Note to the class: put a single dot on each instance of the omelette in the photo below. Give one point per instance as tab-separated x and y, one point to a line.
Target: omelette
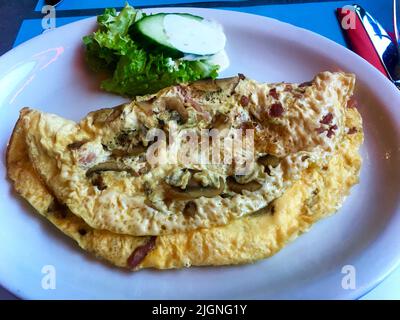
109	171
91	179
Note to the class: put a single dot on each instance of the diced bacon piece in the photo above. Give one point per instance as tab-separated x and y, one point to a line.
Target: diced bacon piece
327	119
276	110
244	101
273	93
141	252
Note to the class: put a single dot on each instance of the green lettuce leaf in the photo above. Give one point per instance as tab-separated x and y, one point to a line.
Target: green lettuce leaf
136	70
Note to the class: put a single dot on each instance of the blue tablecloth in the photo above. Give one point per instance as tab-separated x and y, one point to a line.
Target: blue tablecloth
21	20
318	16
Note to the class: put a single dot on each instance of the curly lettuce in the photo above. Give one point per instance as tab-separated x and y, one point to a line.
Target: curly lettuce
133	68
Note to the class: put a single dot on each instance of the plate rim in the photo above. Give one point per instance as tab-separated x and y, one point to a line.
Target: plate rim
356	294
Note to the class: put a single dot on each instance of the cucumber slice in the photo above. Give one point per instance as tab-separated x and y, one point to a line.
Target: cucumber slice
152	27
182	33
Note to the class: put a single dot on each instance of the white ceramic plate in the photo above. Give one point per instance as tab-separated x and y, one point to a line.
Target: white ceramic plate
48	73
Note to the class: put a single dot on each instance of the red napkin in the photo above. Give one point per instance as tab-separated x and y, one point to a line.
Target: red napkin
359	40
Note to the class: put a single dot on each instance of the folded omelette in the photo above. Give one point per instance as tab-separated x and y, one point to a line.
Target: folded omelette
94	179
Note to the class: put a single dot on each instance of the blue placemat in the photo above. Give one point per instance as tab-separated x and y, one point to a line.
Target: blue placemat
90	4
317	16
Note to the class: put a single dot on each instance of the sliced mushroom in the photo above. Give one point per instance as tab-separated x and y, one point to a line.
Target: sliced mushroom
98	181
76	145
128	145
193	183
194	191
176	104
269	160
190	209
108	166
238	187
228	84
144	169
107	115
268	209
209	85
146	106
130	151
220	121
150	204
226	195
115	114
125	138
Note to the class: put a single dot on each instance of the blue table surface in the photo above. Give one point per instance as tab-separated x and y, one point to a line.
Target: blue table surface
317	16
